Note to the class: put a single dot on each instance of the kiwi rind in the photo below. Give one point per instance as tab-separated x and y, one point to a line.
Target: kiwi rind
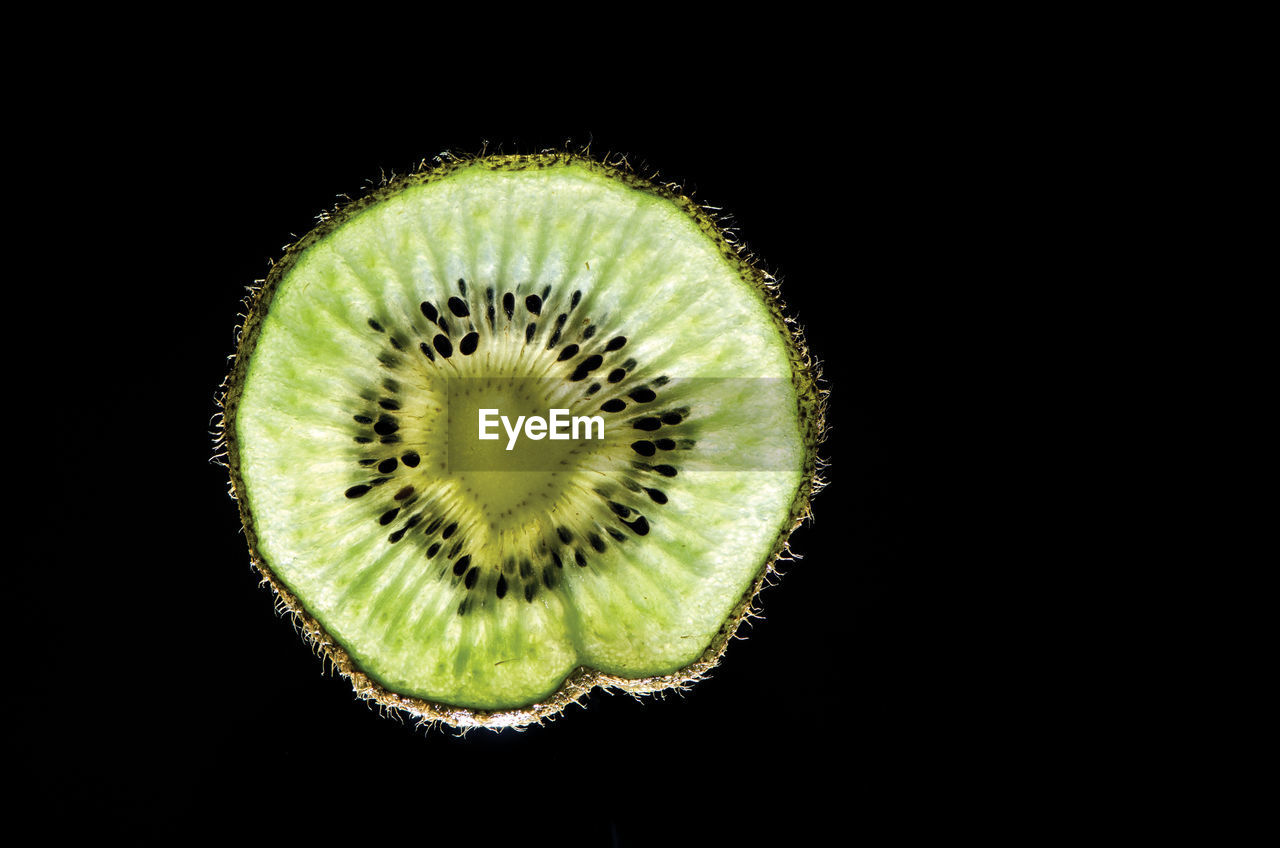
806	378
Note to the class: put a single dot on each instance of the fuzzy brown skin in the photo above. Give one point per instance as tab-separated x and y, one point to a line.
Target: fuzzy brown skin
805	376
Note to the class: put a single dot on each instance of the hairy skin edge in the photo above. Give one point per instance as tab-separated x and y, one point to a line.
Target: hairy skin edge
806	377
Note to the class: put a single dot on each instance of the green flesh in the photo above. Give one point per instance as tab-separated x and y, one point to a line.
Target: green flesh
337	383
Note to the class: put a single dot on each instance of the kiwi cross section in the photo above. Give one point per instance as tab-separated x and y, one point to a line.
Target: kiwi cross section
460	581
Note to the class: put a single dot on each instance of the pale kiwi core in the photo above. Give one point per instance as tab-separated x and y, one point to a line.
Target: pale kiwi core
453	570
502	488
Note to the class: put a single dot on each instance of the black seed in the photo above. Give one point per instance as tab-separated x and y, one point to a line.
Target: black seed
564	534
529	590
449	531
404	493
363	440
378	481
386	425
375	325
368	461
666	444
546	292
616	343
501	588
555	557
397	536
579	559
595	387
631	363
619	510
672	418
642	395
472	576
462	608
434	526
468	344
656	496
616	375
443	346
389	516
646	424
640	526
526	568
357	491
423	347
614	405
665	470
429	311
396	343
391	385
458	568
509	304
388	403
643	448
390	440
589	332
413	521
569	352
433	550
411	459
488	295
462	285
529	331
548	578
596	542
616	534
533	303
387	465
585	367
575	300
456	549
458	307
389	360
555	336
362	419
443	324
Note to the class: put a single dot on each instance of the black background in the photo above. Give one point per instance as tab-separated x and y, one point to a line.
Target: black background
205	712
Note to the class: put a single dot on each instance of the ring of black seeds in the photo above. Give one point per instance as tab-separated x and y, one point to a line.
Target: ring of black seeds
378	424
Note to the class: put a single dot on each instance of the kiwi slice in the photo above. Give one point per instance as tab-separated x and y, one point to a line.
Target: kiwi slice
494	581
